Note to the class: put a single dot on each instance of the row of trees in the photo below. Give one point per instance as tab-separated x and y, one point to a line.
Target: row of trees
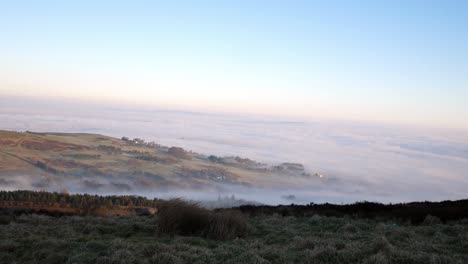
77	200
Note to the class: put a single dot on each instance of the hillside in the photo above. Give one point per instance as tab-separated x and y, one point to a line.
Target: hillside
96	163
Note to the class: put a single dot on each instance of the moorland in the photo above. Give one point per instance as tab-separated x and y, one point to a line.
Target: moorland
183	232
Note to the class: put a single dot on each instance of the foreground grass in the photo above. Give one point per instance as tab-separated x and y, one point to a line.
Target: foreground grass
271	239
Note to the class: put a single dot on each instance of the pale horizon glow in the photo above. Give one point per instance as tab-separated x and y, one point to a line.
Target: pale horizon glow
397	62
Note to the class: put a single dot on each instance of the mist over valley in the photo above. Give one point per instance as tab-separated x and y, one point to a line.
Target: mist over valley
341	162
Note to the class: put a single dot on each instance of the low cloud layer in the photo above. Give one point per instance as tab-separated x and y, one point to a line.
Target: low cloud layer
367	161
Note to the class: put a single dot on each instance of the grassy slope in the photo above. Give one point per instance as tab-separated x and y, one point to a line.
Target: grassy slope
272	239
19	152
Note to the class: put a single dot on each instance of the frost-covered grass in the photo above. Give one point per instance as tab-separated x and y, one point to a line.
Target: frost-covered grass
271	239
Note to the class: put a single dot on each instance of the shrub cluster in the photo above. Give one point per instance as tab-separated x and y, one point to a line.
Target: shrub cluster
180	217
179	153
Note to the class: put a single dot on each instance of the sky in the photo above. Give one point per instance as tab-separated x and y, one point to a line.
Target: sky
389	61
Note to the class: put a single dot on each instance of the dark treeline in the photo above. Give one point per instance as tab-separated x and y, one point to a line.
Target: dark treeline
76	200
416	212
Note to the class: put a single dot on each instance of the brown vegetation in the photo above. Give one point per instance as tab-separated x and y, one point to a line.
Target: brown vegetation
156	158
68	209
180	217
179	153
7	142
187	218
66	163
110	150
49	145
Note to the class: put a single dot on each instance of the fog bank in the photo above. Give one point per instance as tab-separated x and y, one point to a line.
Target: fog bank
367	161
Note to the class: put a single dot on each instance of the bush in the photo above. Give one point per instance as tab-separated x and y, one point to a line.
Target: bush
184	218
179	153
228	225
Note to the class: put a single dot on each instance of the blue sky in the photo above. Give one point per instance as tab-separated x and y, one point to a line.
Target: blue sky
397	61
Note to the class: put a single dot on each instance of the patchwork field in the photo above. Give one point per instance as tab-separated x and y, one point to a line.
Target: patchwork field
97	163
